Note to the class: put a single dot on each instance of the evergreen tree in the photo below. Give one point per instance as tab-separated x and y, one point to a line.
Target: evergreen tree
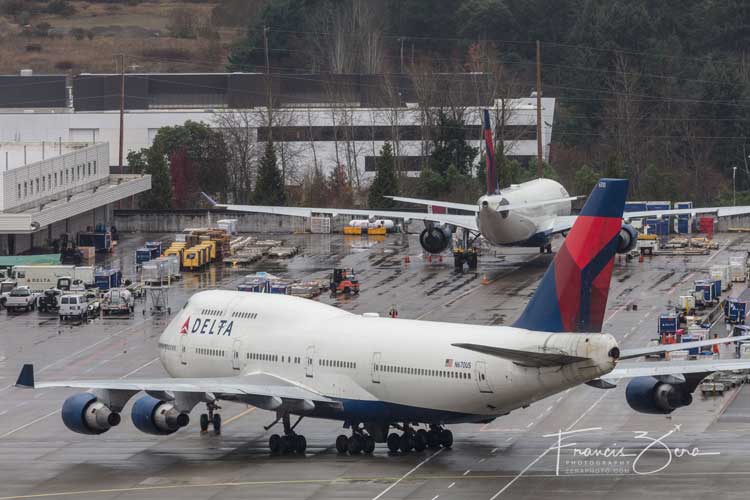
385	182
152	162
269	187
585	180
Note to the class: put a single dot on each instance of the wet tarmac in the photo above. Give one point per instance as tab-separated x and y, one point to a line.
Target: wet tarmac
605	449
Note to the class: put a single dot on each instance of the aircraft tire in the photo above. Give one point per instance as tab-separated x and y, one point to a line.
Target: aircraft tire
355	445
368	445
394	442
342	443
300	444
433	439
204	422
274	443
446	438
217	424
419	441
407	443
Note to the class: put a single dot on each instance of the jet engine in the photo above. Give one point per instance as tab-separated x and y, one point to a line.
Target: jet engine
435	239
650	395
153	416
84	414
628	239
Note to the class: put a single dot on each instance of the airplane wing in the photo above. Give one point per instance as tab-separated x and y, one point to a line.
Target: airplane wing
258	385
463	221
719	211
475	208
563	223
643	351
664	368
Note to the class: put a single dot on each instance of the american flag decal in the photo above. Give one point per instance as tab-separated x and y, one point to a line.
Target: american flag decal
449	363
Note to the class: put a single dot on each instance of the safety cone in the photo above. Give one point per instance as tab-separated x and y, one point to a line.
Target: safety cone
485	281
640	259
429	258
406	259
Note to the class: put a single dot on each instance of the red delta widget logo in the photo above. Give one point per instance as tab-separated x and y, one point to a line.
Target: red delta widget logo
207	326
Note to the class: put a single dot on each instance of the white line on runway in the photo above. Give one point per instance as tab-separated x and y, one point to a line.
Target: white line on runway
420	464
482	460
435	497
139	368
451	485
505	441
494	450
532	464
467	472
28	424
3	412
530	424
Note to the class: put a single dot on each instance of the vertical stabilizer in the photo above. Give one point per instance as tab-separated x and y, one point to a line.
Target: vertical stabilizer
492	186
572	296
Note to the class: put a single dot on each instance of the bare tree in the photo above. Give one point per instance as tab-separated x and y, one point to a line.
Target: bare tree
239	128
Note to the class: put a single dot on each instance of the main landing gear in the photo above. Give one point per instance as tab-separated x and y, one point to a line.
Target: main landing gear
359	442
290	442
419	440
213	419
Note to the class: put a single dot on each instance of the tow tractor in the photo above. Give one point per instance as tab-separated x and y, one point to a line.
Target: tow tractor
344	281
464	251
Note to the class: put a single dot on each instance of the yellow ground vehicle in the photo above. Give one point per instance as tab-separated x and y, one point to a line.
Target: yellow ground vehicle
211	245
193	258
176	248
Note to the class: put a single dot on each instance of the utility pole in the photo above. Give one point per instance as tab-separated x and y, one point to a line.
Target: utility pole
538	110
122	108
734	186
268	83
402	55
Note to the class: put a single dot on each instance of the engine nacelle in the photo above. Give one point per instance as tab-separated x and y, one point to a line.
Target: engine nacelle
628	239
435	239
649	395
153	416
84	414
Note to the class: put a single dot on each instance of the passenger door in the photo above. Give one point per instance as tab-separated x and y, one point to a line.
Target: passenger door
181	349
375	368
236	348
480	374
310	362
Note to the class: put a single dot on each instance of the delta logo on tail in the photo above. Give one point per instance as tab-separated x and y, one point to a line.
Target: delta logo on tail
572	296
492	185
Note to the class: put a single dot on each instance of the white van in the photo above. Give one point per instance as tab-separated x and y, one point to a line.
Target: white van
74	306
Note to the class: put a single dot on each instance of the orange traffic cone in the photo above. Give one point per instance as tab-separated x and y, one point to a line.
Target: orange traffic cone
640	259
485	281
406	259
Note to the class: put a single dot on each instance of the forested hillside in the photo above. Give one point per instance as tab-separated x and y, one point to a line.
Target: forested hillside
656	91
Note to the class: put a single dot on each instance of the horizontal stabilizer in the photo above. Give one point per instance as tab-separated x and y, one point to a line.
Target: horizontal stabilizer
536	359
26	377
657	349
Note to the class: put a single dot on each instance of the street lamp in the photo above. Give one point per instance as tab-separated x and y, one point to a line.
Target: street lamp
734	184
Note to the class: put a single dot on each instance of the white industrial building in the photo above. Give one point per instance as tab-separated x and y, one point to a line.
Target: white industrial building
312	126
49	189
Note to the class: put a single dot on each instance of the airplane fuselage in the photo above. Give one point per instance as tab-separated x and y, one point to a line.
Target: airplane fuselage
524	227
380	369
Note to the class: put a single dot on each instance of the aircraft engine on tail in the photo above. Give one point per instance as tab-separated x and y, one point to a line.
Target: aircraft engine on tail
628	239
84	414
650	395
153	416
436	238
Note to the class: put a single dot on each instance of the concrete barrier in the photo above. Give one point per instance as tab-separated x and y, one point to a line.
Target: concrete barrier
174	221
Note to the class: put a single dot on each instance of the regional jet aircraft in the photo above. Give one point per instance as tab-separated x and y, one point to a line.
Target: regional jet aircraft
300	358
529	214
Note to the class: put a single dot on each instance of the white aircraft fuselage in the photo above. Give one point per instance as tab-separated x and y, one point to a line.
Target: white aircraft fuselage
380	369
522	227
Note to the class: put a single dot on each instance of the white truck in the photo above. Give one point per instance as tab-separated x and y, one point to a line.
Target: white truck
6	286
118	301
21	298
40	278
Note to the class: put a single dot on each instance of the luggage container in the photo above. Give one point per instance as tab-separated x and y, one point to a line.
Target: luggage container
735	311
107	278
708	289
102	242
706	225
668	323
143	254
254	284
155	271
155	247
279	287
738	268
173	265
635	206
192	258
717	289
687	304
721	273
228	225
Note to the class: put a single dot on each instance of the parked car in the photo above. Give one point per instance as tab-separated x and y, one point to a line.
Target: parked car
74	306
21	298
49	300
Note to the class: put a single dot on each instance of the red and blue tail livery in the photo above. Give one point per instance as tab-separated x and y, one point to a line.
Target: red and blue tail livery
492	185
572	296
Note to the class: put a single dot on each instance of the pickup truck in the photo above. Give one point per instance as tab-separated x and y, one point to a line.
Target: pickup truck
21	298
5	288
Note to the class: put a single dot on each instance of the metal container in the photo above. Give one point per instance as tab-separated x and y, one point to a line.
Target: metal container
107	278
722	273
668	324
155	271
735	311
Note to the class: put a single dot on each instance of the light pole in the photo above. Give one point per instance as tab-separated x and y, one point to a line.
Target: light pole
734	188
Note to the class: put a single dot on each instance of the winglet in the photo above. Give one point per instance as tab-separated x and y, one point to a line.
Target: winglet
26	377
210	200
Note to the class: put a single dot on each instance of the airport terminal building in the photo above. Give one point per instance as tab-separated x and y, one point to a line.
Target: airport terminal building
326	120
50	189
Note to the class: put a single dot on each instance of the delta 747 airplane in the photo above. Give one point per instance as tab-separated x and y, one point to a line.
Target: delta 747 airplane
529	214
298	357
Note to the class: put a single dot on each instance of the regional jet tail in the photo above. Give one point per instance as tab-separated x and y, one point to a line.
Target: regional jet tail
300	358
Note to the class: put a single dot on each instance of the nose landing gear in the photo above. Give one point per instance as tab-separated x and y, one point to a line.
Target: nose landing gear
213	419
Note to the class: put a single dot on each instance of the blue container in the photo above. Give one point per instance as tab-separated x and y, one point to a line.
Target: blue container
717	288
155	247
143	254
683	225
107	278
735	311
255	285
101	241
708	289
279	288
635	206
693	351
668	323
